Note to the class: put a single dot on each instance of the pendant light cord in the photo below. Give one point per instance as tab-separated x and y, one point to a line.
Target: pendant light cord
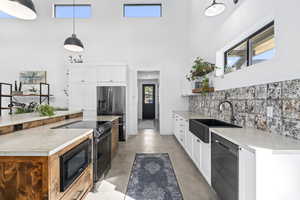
73	16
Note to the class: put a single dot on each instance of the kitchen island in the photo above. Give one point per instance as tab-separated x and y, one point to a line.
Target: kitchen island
11	123
30	159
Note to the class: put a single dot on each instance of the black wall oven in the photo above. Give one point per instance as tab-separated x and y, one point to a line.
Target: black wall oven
74	162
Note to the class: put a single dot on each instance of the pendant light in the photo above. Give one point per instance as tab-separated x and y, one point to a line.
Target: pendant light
73	43
215	9
22	9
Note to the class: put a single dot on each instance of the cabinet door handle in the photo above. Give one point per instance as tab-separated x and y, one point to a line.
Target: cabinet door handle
198	140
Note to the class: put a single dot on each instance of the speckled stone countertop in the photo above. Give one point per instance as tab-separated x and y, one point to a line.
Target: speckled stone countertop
23	118
252	139
40	141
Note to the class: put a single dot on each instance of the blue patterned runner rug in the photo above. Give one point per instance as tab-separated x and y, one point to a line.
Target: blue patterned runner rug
153	178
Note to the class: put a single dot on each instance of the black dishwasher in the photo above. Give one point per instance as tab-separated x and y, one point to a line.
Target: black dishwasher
225	168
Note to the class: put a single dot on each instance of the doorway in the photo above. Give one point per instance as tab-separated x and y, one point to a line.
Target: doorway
148	101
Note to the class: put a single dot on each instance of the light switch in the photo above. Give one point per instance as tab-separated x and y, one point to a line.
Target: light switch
270	111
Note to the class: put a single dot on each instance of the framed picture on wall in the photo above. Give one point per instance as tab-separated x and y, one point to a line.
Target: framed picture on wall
33	77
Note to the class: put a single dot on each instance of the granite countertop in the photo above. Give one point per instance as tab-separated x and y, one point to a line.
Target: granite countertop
40	141
252	139
23	118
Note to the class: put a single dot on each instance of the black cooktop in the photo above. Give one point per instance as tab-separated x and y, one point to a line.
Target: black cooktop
83	124
98	126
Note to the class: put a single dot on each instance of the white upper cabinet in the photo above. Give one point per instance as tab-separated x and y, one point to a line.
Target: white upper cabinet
84	79
100	74
113	74
82	96
83	74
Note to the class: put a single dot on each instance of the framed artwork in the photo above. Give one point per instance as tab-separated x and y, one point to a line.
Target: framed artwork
33	77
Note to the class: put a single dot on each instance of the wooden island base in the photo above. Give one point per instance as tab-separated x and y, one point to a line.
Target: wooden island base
38	178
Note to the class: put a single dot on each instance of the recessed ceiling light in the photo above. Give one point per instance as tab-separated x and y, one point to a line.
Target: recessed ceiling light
22	9
215	9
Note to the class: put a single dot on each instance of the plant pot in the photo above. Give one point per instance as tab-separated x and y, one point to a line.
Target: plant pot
202	90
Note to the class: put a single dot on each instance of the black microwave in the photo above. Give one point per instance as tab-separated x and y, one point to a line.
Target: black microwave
74	162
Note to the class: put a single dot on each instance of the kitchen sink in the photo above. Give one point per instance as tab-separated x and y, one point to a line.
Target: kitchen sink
216	123
200	127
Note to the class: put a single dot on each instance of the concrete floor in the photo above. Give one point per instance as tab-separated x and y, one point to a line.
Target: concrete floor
148	124
191	182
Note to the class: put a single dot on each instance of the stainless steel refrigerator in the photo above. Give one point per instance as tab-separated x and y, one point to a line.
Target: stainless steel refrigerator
111	100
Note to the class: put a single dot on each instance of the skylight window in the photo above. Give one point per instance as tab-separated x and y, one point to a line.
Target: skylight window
66	11
3	15
142	10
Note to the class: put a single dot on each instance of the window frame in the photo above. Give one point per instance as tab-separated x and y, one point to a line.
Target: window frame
143	4
66	5
249	56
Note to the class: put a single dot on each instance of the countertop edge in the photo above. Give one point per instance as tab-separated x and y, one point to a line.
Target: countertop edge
45	153
37	118
50	153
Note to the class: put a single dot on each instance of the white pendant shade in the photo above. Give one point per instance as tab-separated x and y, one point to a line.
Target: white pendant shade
22	9
215	9
73	47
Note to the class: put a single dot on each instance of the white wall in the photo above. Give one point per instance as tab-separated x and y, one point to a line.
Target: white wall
208	35
108	38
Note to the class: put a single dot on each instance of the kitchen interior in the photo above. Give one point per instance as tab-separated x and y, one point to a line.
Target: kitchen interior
148	100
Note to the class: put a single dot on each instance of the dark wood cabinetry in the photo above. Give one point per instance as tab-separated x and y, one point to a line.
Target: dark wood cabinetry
38	178
115	138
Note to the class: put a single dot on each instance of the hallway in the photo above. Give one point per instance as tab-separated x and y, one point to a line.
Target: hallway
148	124
192	184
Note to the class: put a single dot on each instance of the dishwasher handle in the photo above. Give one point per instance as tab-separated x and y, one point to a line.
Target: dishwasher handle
231	150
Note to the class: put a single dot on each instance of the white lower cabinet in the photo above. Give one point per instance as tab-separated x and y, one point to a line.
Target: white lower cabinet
201	157
180	128
205	167
189	144
197	151
247	175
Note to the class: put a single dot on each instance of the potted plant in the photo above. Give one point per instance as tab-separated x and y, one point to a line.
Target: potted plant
46	110
199	73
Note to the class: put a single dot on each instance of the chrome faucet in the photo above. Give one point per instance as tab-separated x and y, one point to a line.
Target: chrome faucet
232	119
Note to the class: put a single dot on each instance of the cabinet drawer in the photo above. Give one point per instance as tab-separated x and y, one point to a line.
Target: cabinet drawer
75	115
6	129
79	189
33	124
53	120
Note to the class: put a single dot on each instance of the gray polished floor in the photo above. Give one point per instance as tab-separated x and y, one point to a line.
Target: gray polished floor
148	124
192	184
